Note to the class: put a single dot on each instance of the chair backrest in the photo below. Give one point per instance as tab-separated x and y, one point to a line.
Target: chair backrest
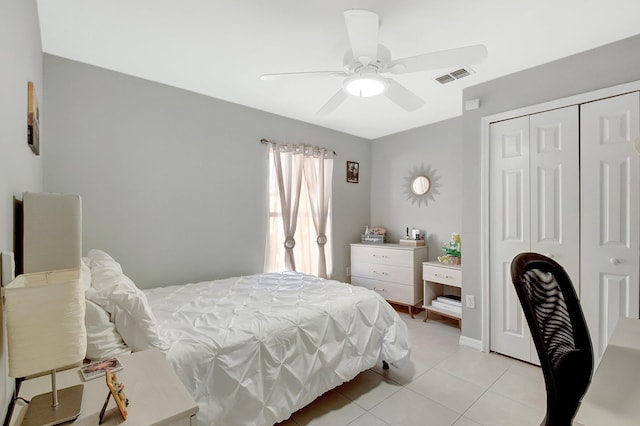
559	332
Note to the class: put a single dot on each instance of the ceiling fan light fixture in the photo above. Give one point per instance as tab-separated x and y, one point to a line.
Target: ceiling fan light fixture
365	85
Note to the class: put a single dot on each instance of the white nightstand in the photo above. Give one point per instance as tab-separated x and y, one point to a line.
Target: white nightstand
440	279
156	395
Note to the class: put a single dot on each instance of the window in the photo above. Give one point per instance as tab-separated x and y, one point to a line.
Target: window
300	180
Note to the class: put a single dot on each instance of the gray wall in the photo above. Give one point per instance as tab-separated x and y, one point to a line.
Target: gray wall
393	158
599	68
174	183
20	169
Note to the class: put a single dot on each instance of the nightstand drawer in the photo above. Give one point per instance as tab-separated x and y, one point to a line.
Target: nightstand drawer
392	292
397	274
442	275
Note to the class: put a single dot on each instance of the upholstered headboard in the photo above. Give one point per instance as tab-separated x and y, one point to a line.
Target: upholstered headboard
52	231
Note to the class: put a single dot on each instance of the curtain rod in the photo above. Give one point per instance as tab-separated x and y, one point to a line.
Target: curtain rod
267	142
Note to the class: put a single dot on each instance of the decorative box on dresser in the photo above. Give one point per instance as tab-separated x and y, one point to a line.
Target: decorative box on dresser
394	271
442	279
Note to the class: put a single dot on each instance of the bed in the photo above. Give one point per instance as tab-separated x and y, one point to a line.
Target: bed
254	349
251	350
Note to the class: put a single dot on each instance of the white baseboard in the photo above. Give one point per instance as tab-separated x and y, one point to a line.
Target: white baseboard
472	343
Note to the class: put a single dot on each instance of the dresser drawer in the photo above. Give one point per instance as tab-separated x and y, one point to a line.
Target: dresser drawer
389	291
397	274
442	275
381	255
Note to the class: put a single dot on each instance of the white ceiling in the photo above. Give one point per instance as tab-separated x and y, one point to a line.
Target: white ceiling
220	48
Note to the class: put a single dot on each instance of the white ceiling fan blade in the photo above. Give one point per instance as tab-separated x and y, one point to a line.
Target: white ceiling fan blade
333	103
444	59
283	75
362	26
402	96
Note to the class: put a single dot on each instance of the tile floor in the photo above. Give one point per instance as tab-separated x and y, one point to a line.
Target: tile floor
443	384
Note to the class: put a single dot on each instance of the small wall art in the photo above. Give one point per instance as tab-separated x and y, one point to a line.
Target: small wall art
421	185
33	119
353	170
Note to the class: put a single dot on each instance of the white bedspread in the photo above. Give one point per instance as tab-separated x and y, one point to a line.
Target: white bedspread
253	350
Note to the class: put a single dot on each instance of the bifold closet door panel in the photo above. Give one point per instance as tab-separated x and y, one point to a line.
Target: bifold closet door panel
610	214
510	233
534	207
555	179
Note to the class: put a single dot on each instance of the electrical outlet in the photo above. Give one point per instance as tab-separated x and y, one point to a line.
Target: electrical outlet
348	271
470	301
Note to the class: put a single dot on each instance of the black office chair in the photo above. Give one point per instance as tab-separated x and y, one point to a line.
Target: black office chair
559	332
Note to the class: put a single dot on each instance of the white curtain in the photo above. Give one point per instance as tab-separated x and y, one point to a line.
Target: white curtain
298	238
318	173
287	162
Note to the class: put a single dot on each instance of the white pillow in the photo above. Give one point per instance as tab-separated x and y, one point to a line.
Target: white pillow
126	304
103	341
85	273
101	258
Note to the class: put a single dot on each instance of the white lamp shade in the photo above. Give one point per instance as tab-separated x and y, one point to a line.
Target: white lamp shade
45	321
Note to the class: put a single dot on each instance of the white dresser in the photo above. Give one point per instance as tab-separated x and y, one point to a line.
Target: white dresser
394	271
441	279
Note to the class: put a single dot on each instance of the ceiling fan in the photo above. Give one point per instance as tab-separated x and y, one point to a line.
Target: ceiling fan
367	61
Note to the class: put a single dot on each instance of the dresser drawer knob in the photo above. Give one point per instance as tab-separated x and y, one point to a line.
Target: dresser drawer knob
380	273
442	276
378	289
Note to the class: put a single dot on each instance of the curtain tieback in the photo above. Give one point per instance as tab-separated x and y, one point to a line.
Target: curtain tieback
289	243
321	240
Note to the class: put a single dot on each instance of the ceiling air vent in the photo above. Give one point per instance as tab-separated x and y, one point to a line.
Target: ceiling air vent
445	79
454	75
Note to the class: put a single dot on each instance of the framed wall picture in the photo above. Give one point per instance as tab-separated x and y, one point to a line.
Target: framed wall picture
33	119
353	170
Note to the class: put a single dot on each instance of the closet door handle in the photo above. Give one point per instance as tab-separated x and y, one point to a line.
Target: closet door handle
614	261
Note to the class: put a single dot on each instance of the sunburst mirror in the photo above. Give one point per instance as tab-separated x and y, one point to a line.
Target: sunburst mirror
420	185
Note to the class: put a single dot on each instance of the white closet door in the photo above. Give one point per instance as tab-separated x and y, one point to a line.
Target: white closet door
555	204
534	207
510	233
609	214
